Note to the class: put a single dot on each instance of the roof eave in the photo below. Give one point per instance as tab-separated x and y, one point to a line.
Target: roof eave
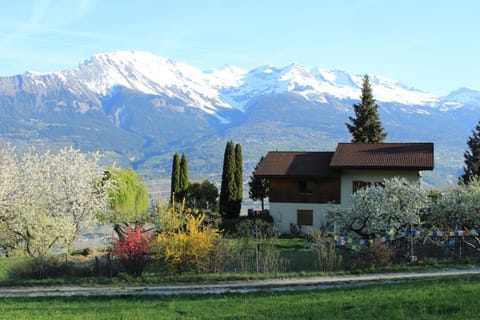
306	176
402	168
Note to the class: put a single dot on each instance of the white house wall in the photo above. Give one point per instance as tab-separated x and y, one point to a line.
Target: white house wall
348	176
285	213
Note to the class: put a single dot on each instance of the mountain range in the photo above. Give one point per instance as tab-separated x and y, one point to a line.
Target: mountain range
138	109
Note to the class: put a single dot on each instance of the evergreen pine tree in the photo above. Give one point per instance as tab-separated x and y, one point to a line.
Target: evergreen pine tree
228	186
259	187
183	178
366	126
238	178
175	178
472	157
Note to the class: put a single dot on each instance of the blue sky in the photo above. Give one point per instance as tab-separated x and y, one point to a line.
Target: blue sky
430	45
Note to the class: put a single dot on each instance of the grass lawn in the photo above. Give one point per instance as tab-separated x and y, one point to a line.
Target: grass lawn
452	298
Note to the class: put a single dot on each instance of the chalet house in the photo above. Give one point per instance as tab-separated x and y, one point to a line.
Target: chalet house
304	185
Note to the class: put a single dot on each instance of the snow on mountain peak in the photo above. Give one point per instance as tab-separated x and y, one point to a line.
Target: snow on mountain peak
294	72
464	96
227	76
389	90
150	74
338	77
131	69
233	87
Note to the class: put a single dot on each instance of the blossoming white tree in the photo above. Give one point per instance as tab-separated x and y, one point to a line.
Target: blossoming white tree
48	199
382	210
8	187
458	208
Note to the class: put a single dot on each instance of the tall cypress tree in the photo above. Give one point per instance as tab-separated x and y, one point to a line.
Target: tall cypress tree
228	187
175	178
366	126
472	157
183	178
238	178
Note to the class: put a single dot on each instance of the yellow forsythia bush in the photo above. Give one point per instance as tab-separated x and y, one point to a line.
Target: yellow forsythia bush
185	242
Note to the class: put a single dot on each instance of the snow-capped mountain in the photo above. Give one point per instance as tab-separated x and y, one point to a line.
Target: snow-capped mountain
228	87
138	107
149	74
233	87
460	98
320	85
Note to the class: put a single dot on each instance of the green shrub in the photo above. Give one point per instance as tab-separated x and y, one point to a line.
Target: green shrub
104	266
255	246
269	256
429	262
265	217
326	257
229	226
220	256
234	225
53	267
373	256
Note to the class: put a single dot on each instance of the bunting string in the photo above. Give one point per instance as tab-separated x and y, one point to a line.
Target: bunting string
352	243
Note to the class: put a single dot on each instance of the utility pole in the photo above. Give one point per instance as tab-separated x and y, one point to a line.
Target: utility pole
256	242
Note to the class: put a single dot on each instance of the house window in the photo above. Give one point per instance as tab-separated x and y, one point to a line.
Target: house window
305	217
306	187
357	185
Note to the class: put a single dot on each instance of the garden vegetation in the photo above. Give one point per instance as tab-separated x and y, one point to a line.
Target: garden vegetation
192	237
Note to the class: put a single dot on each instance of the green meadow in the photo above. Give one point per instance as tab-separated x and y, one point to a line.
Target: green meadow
446	298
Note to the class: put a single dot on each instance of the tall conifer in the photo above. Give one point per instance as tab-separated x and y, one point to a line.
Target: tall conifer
228	187
183	178
175	178
366	126
471	167
238	178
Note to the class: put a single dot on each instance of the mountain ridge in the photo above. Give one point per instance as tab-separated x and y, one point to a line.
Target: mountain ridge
141	71
140	108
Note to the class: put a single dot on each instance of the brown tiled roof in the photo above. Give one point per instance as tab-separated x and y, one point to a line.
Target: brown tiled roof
296	164
418	156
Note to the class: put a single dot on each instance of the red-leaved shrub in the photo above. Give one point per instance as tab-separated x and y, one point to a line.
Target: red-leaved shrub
132	249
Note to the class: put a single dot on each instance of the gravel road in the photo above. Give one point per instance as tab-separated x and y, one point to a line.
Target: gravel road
323	282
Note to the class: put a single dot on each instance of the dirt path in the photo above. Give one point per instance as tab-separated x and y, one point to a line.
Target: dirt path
322	282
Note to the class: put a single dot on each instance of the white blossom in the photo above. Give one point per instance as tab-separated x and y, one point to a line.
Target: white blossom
383	209
47	199
458	208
